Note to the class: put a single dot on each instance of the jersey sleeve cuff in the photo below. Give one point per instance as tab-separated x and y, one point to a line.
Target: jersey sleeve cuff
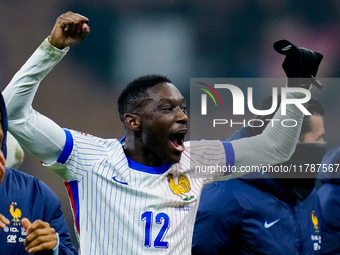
50	49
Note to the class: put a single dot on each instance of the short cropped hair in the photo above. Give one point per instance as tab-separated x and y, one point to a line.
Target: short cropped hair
135	92
315	108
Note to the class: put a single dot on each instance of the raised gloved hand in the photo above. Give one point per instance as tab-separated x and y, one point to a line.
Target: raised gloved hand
300	64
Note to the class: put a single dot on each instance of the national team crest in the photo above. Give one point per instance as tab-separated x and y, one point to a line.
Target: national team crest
315	222
181	188
316	237
16	213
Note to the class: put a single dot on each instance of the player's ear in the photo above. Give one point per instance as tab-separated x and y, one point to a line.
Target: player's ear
132	121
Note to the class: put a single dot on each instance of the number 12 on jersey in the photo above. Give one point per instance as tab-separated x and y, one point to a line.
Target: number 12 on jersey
159	219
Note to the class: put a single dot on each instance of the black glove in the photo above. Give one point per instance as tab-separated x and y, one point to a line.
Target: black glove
299	63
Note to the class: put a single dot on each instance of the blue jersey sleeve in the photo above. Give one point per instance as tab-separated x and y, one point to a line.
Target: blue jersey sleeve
55	217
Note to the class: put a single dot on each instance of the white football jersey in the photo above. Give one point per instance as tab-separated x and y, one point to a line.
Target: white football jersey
123	207
120	206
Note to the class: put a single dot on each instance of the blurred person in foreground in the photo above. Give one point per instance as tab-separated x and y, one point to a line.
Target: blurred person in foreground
262	213
329	193
25	199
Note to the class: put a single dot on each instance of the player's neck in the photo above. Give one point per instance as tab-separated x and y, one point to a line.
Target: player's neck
138	153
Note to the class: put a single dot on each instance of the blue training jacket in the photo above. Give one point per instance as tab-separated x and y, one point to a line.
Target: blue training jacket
256	216
24	196
329	194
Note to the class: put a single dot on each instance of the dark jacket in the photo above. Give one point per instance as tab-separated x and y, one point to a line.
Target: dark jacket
329	194
257	216
24	196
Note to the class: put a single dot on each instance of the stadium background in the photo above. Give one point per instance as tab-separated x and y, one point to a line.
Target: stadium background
181	39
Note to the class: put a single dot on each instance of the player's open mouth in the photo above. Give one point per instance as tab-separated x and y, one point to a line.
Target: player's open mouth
177	140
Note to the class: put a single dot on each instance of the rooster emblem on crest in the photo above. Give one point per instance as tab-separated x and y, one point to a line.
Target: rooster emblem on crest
181	188
16	214
315	221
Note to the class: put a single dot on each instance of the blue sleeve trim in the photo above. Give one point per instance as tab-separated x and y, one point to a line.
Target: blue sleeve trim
229	154
67	148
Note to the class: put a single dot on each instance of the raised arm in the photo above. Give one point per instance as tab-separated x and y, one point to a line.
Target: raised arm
38	134
276	145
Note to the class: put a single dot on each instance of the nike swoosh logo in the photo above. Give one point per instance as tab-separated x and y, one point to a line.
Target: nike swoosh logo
268	225
114	178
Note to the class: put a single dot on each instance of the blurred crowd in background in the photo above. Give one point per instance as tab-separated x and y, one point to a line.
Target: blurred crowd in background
180	39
